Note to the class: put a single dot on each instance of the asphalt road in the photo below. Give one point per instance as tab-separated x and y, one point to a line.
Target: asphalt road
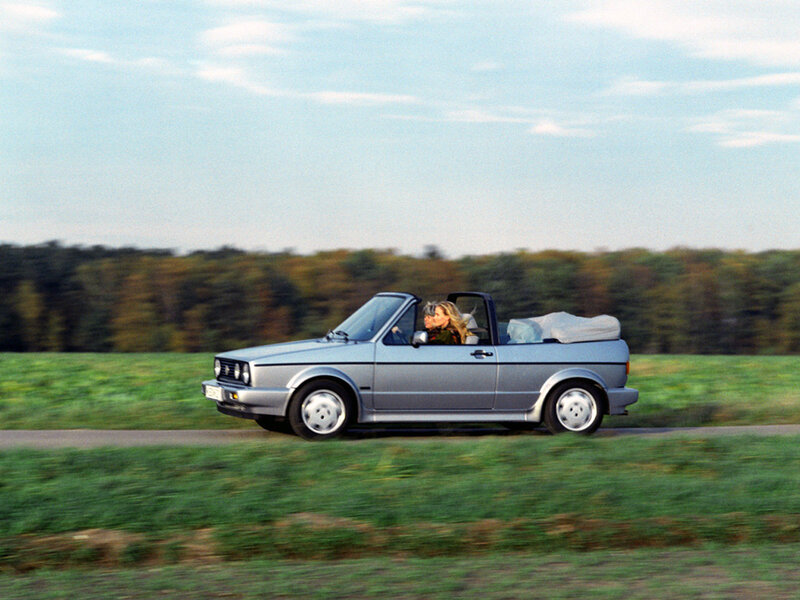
95	438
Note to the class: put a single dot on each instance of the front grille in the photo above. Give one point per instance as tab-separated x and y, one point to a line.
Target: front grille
228	370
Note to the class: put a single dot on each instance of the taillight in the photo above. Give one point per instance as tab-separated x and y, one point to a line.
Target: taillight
628	368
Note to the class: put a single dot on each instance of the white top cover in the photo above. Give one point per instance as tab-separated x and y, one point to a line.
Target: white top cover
564	327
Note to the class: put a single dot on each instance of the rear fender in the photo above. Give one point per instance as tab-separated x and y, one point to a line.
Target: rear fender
574	373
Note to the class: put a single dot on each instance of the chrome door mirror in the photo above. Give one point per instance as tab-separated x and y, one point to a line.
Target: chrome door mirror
419	337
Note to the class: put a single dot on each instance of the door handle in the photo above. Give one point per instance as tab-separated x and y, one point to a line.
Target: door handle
481	353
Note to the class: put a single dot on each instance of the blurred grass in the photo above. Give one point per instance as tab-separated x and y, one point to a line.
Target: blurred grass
107	391
502	515
691	390
162	391
710	572
291	499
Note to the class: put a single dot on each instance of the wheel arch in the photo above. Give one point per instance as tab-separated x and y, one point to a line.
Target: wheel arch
576	375
330	374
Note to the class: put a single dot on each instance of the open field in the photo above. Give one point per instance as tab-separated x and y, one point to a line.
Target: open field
495	516
687	391
436	497
742	572
492	517
107	391
162	391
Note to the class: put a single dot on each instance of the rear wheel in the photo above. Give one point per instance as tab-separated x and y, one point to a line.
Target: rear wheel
320	410
573	407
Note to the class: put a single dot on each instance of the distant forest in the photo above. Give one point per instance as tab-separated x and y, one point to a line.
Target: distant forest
58	298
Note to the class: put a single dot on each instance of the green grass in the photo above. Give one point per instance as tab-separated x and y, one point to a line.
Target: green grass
713	390
107	391
712	572
162	391
291	499
486	517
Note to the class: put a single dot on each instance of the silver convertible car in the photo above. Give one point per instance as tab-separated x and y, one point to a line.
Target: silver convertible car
376	367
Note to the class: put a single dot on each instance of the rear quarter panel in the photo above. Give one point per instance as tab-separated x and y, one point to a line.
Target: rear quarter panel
525	369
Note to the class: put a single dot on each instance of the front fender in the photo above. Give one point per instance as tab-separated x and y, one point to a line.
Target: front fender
323	372
535	413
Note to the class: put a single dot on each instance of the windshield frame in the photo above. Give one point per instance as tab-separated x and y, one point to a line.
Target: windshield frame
356	327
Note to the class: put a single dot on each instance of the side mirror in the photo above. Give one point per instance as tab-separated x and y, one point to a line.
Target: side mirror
419	337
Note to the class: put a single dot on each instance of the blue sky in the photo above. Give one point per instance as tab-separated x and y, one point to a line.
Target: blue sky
479	127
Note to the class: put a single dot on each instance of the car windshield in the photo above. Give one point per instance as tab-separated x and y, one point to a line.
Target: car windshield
367	320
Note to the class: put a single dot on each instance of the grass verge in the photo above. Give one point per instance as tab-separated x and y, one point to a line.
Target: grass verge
291	499
162	391
709	572
689	391
107	391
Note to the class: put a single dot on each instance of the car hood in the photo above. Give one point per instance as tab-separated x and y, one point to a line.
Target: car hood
303	351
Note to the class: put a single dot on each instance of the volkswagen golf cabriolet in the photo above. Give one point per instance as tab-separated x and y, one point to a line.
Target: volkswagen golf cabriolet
377	367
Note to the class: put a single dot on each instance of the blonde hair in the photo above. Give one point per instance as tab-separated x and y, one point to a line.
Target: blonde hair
457	321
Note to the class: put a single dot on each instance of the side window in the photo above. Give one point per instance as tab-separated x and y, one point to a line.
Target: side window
400	334
477	318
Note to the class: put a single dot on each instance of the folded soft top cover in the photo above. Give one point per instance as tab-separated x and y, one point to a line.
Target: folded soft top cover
564	327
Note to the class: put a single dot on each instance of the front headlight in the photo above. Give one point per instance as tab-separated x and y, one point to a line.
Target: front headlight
217	367
237	370
246	373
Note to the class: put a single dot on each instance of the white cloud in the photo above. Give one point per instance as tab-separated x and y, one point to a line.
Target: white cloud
360	98
238	50
769	80
763	32
247	38
235	76
637	87
547	127
241	78
89	55
750	128
750	139
476	115
247	31
565	127
152	64
377	11
16	16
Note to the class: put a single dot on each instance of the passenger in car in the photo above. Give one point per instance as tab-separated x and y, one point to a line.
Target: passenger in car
444	323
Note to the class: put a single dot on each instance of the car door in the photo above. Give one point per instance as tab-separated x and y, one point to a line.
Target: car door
432	377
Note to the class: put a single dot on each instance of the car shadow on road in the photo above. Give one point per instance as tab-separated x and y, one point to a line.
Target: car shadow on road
438	430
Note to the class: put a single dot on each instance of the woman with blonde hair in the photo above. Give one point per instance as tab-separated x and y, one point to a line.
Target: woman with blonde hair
444	323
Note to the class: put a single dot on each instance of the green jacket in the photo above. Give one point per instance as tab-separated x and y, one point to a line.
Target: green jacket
443	336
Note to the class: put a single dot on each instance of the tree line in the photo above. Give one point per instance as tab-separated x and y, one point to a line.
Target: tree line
58	298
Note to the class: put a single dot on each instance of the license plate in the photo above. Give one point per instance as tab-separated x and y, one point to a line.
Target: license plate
214	393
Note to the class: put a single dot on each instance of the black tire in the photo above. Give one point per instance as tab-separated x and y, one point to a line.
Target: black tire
320	410
573	407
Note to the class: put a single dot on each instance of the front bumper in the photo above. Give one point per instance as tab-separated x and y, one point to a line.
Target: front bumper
241	401
619	398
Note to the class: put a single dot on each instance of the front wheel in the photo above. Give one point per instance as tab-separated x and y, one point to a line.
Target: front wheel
573	407
320	410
